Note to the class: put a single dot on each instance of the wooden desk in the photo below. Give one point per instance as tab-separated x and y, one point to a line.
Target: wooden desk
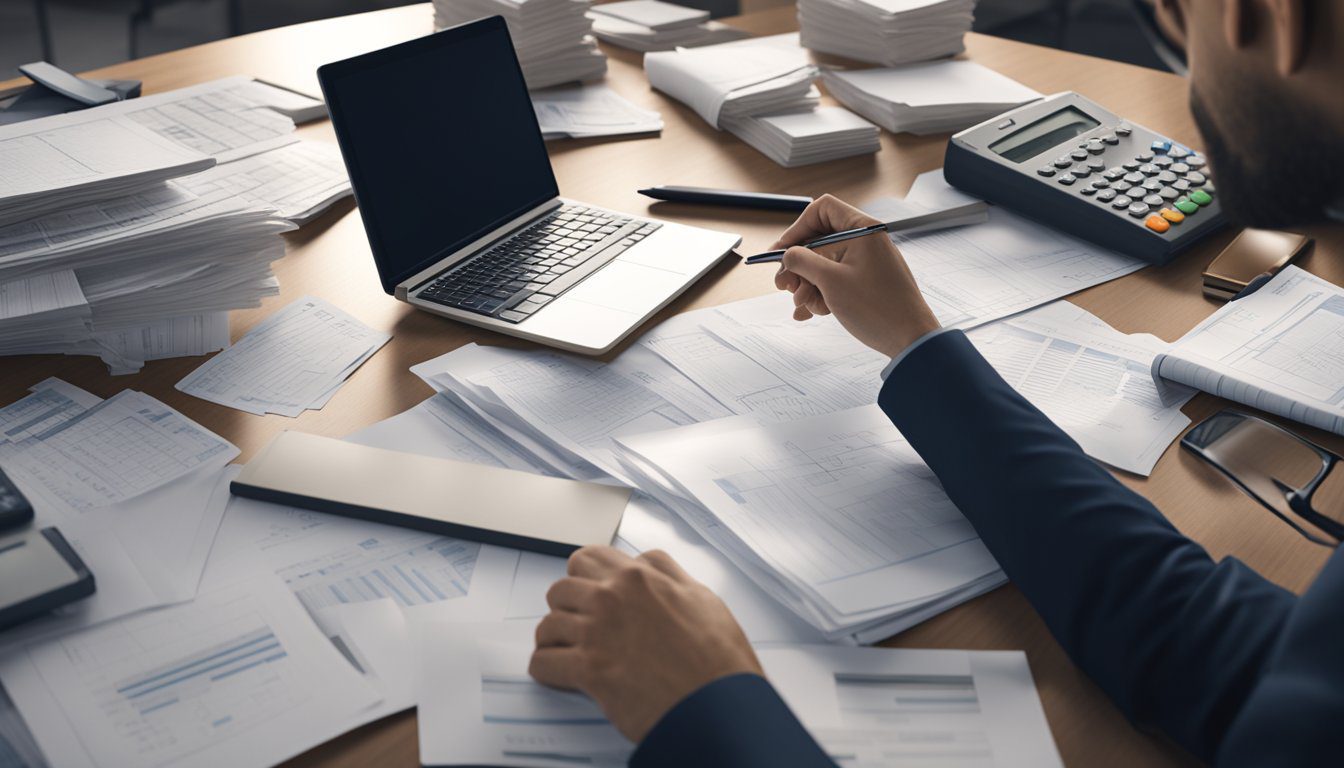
330	258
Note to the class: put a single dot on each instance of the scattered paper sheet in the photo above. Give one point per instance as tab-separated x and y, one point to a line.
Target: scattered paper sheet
299	180
1280	349
1090	379
293	360
868	707
239	676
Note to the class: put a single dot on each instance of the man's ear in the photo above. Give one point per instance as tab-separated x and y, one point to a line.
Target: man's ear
1288	20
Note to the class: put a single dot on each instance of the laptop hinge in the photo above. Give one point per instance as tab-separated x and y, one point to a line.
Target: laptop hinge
410	284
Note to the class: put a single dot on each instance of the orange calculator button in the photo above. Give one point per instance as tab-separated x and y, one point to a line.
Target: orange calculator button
1175	217
1157	223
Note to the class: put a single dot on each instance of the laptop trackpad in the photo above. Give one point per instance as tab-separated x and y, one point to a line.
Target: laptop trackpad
627	287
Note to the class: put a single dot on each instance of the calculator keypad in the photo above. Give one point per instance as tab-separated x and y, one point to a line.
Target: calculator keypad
1158	187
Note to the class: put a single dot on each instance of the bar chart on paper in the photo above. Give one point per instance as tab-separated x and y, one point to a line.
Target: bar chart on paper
412	570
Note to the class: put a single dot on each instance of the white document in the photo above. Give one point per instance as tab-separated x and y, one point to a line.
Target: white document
868	707
40	301
294	360
117	450
299	180
1091	380
237	677
1281	350
932	97
68	160
653	14
593	109
838	506
972	275
806	136
52	402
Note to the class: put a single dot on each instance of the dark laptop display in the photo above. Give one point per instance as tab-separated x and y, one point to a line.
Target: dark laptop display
440	141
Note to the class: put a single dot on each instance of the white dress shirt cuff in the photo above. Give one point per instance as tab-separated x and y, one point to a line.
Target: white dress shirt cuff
895	361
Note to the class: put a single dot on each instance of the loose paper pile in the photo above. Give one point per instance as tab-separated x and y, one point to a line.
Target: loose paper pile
761	90
153	272
589	110
551	37
652	25
886	32
937	97
292	361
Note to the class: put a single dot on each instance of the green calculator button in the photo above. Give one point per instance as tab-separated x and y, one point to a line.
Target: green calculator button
1185	206
1201	197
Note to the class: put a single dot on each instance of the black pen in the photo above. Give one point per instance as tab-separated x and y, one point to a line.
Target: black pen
763	200
969	213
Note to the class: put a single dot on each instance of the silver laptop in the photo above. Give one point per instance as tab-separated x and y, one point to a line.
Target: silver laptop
462	210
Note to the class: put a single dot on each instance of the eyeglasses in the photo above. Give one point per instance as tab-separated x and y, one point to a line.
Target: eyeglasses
1289	475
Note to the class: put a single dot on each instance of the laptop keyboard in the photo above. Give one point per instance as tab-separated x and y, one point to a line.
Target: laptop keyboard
520	275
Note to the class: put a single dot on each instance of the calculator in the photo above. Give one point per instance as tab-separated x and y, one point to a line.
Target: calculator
1069	163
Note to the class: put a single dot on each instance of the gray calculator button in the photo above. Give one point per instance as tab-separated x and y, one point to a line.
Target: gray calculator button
1124	129
1134	177
1152	185
1144	157
1106	194
1196	178
1081	171
1121	202
1181	185
1208	187
1087	191
1121	186
1046	171
1063	162
1163	161
1114	173
1180	167
1078	154
1130	165
1110	139
1178	152
1066	179
1154	200
1194	161
1148	169
1095	147
1166	177
1137	210
1101	184
1097	164
1168	193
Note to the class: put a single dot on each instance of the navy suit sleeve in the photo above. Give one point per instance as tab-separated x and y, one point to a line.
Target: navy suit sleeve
734	722
1177	640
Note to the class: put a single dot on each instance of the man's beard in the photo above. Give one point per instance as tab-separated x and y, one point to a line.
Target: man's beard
1286	167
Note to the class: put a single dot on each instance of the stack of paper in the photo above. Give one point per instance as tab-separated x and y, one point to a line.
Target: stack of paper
292	361
153	272
886	32
551	37
652	25
593	109
807	136
937	97
761	90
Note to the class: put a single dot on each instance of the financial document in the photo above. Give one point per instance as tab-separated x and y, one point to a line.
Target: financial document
116	450
838	506
237	677
293	360
588	110
1091	380
299	180
972	275
1281	350
868	707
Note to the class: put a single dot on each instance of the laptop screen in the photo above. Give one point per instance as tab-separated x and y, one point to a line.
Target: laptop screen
440	141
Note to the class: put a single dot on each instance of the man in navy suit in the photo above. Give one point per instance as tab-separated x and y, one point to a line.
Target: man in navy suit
1236	669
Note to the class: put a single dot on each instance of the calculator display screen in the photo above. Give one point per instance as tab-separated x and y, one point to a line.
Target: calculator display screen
1043	134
